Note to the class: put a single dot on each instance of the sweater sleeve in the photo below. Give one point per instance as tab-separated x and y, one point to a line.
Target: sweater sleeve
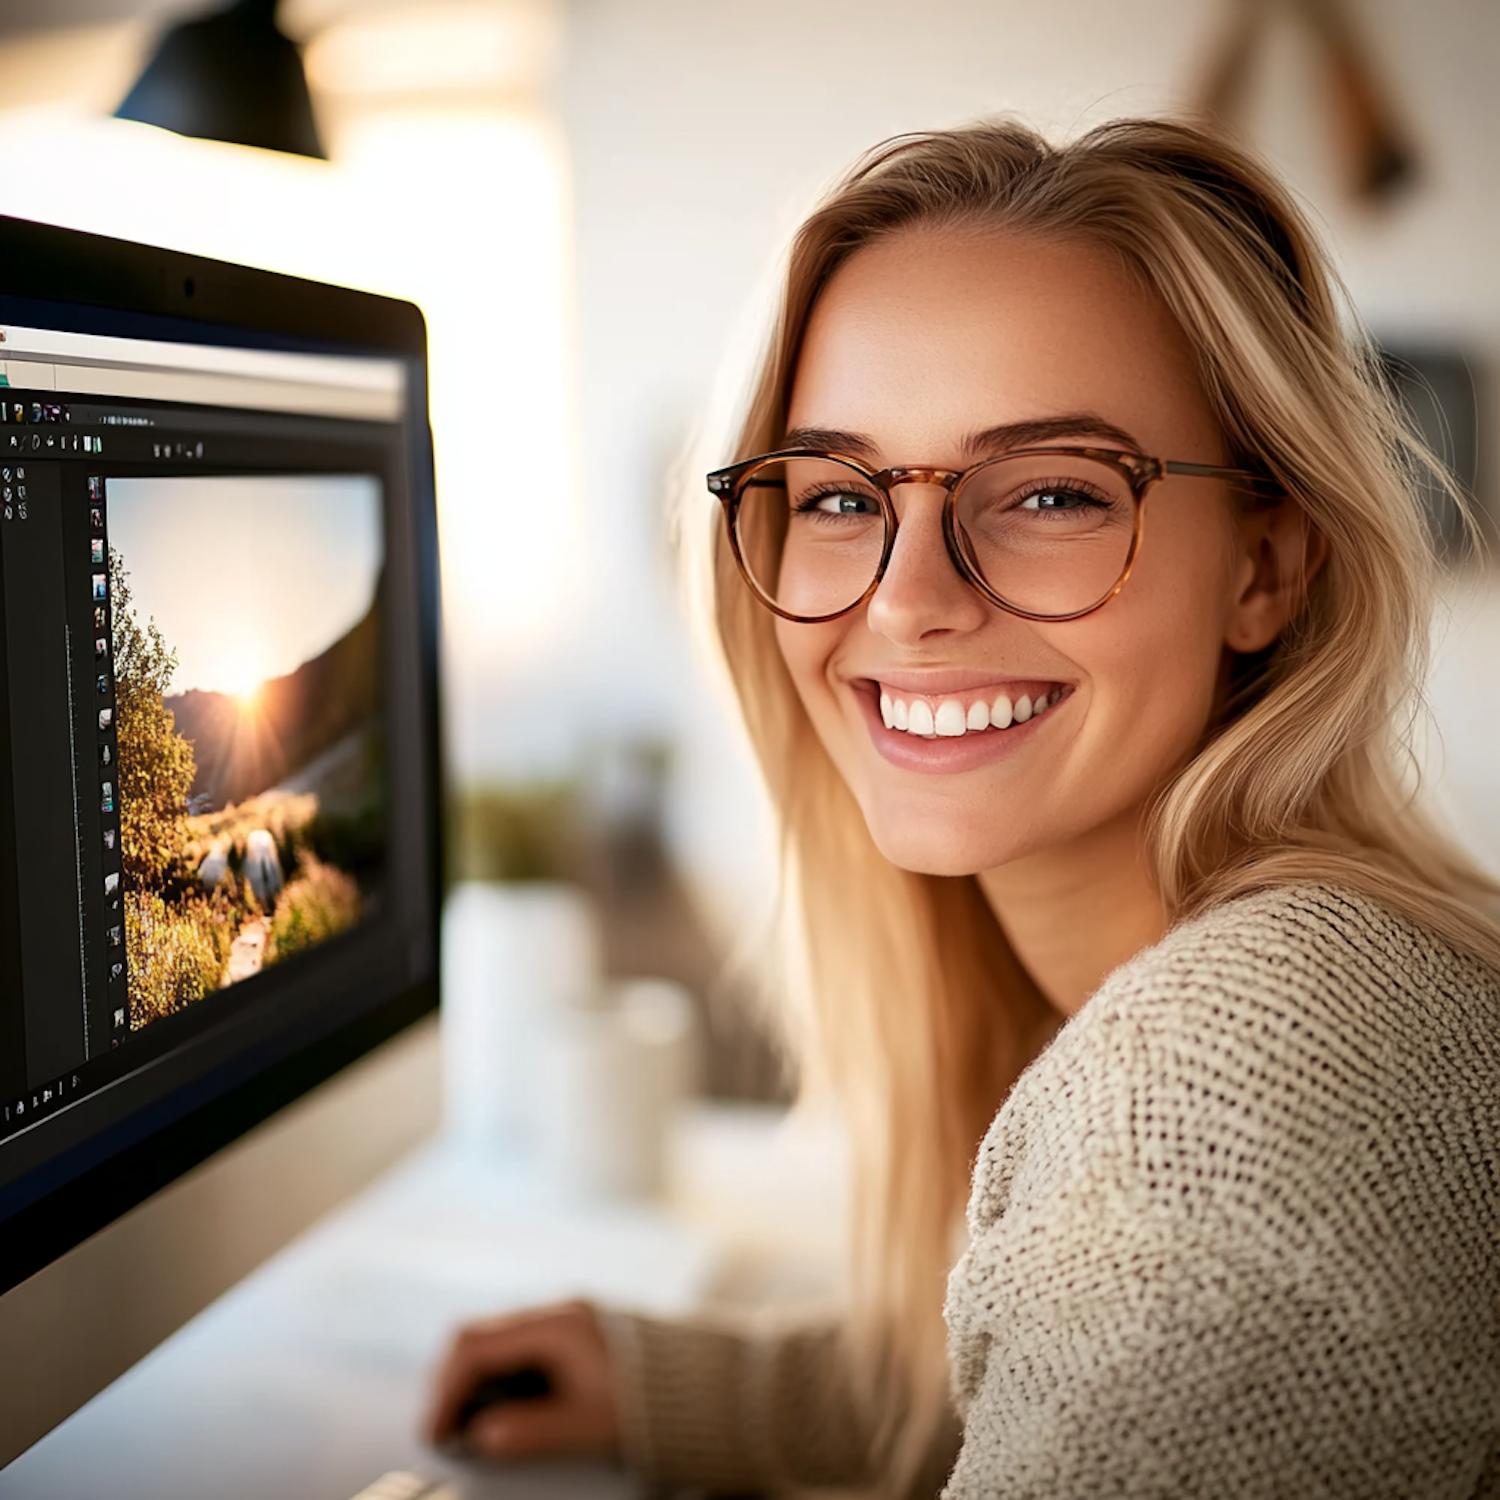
1222	1244
717	1407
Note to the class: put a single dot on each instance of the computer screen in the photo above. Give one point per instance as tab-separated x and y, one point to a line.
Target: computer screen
218	745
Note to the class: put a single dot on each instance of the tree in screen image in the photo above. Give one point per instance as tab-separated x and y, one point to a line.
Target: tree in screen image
177	941
156	763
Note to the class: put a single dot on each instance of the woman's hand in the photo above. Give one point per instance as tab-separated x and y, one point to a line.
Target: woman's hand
566	1342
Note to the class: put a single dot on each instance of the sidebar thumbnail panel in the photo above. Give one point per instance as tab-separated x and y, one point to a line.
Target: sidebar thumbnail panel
57	701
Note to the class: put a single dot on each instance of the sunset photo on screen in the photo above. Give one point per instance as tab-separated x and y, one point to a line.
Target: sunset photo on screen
246	642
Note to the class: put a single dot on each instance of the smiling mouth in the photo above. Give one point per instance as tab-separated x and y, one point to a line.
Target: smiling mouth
952	716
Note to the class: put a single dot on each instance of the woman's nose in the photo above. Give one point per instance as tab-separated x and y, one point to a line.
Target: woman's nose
922	591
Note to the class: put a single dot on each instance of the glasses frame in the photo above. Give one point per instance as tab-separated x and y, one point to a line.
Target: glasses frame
729	484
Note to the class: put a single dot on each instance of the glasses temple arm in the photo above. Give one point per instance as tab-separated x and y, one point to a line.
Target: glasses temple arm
1258	486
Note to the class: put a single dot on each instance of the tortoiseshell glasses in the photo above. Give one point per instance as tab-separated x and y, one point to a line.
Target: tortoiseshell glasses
1045	533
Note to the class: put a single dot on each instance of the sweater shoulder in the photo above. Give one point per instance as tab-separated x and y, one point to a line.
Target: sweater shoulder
1330	956
1275	1036
1295	979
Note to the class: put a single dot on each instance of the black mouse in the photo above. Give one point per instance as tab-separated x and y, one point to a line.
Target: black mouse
528	1383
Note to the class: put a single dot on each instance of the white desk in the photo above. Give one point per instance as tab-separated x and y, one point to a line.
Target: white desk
306	1381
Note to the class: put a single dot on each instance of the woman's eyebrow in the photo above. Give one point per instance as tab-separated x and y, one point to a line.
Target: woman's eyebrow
1047	430
988	440
833	440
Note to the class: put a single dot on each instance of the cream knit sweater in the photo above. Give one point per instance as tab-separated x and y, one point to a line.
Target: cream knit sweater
1235	1233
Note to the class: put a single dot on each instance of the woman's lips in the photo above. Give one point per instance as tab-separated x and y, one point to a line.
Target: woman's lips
956	731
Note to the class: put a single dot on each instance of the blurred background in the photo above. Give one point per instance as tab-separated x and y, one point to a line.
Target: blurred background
587	199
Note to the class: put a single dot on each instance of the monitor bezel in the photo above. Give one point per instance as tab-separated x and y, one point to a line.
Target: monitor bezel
91	271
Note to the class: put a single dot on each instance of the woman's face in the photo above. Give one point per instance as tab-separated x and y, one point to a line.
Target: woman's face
919	344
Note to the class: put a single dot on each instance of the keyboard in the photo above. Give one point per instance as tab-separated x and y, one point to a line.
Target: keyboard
399	1485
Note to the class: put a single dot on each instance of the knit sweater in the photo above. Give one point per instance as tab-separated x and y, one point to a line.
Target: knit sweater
1236	1232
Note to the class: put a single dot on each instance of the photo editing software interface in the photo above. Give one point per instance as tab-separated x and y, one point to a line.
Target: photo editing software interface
194	541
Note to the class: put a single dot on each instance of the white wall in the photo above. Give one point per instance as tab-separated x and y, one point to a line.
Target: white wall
700	132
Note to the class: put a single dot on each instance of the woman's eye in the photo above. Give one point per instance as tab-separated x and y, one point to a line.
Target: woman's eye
1058	498
839	503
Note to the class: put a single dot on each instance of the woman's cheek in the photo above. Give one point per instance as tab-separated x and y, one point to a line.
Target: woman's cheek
807	651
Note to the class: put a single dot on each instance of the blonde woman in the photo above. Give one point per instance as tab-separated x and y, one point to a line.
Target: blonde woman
1073	579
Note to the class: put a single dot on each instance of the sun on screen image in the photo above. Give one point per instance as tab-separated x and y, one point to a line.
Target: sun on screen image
241	678
251	756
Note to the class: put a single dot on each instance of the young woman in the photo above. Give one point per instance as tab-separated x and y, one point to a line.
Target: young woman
1074	581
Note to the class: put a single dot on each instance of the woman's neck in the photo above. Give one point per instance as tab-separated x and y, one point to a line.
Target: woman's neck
1074	913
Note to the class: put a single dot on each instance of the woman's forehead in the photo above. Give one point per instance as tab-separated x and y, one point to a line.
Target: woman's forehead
930	334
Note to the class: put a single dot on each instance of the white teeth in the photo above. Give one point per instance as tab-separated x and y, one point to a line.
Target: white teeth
950	721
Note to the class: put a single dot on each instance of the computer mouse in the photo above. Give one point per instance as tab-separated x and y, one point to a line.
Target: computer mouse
528	1383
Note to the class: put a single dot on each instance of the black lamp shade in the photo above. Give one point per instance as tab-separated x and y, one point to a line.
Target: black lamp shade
232	76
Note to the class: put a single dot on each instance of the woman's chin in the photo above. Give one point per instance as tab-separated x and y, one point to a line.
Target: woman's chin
929	850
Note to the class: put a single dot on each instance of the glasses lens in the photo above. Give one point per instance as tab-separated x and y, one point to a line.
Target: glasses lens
1049	533
811	532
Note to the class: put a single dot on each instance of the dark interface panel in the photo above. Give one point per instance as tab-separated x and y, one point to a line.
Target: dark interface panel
194	697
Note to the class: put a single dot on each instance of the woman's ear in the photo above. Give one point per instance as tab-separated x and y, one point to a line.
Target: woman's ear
1280	553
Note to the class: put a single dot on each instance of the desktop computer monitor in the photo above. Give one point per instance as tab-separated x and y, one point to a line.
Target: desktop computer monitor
219	760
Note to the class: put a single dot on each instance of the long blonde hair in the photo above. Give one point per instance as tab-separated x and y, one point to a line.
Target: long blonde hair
915	1011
